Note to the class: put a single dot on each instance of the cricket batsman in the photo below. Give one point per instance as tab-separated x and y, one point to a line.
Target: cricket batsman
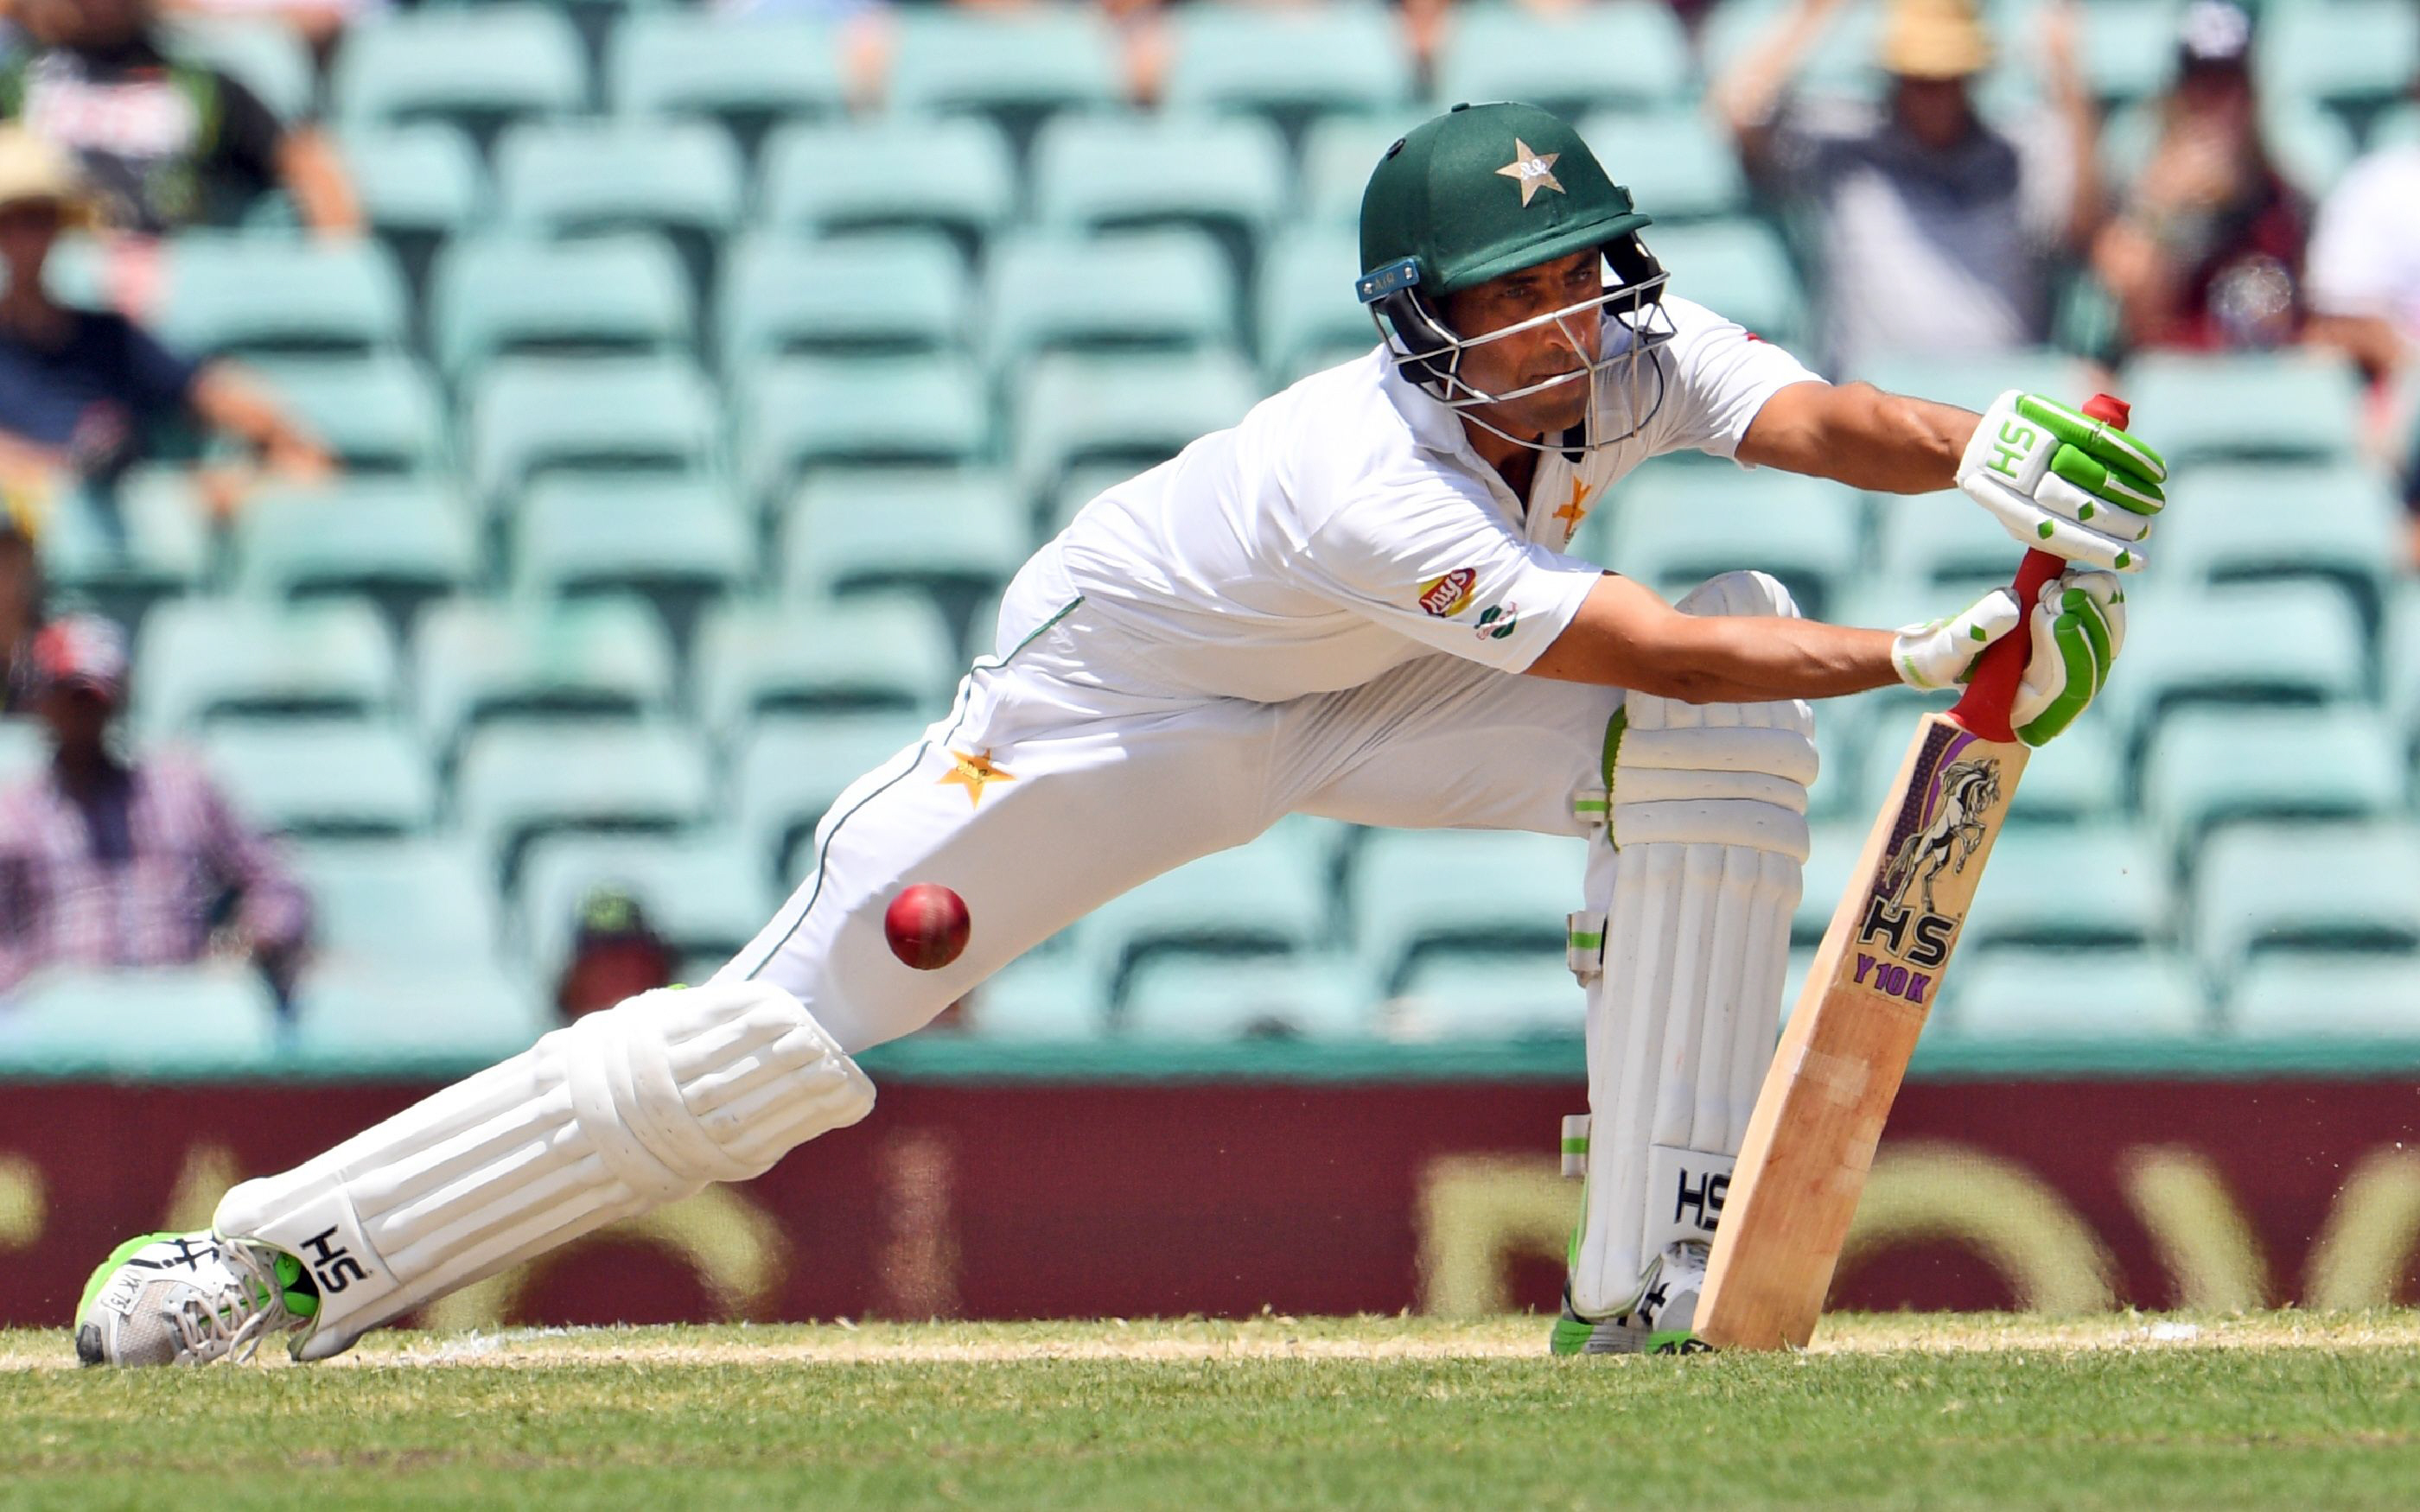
1355	603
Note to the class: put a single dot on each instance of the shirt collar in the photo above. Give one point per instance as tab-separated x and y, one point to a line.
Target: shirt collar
1435	425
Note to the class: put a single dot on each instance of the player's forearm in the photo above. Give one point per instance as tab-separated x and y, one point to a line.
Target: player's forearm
1857	434
1720	658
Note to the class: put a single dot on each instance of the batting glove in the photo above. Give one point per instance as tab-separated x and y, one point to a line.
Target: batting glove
1941	654
2064	483
2077	631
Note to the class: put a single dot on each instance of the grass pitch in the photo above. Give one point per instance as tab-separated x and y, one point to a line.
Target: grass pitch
1900	1412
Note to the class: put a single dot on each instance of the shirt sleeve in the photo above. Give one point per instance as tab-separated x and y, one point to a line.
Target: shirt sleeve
160	383
1437	563
275	912
2353	256
1719	374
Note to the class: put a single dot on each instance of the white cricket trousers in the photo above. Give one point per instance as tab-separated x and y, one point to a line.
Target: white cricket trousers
1040	796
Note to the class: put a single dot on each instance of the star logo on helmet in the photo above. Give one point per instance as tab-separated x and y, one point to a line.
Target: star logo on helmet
1532	171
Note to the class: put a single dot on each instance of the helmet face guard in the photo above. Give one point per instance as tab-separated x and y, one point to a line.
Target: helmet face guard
1625	386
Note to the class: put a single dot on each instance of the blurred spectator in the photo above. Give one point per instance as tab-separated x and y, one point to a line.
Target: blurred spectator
1932	231
111	862
82	391
21	598
319	22
2364	275
614	954
164	144
2207	251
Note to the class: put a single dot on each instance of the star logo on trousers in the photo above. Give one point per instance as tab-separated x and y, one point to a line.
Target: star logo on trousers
971	773
1574	511
1533	171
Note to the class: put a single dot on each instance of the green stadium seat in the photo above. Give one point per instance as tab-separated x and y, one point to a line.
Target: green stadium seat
1039	998
1227	176
375	414
1136	410
247	295
2284	642
197	659
513	295
871	654
1418	891
679	179
1255	899
1339	154
2245	407
2071	889
475	660
152	542
1675	162
1531	996
1195	998
517	782
1934	547
1151	288
396	907
1737	268
2345	53
2342	525
267	56
448	1013
676	542
476	67
1015	63
706	894
2111	997
2398	126
2260	888
1289	61
2400	664
904	292
1846	732
1834	845
1976	380
535	415
24	747
2300	995
398	542
744	72
830	177
939	532
422	180
2128	47
2076	780
789	772
2206	768
162	1020
806	414
1570	59
335	778
1674	530
1306	301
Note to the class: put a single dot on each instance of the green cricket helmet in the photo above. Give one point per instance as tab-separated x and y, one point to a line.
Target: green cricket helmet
1482	191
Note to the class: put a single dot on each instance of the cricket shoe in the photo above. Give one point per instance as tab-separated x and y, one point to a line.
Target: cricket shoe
189	1299
1658	1324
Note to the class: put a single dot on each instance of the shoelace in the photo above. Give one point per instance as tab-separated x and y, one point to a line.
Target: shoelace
236	1326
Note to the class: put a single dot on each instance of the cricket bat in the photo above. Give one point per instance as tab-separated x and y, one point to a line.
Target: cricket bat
1812	1136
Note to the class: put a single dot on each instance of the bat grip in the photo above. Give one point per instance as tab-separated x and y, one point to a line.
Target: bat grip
1984	709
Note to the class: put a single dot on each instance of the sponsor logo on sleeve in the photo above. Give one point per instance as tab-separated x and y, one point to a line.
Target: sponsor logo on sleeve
1496	621
1444	598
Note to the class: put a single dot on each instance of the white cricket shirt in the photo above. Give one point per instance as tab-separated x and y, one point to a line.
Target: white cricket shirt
1346	526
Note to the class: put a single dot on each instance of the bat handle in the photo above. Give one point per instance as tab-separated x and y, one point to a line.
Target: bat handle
1984	709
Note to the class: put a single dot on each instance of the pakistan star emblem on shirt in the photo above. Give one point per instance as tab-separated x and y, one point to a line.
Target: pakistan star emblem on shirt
1532	171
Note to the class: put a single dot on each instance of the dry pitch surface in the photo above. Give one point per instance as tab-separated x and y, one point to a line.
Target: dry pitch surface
2281	1408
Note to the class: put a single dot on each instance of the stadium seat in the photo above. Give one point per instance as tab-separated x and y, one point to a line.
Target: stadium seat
871	654
375	415
2297	996
2245	407
2071	889
424	180
2077	779
336	777
265	56
519	782
396	907
1418	891
1040	998
1833	848
1289	62
1080	485
1163	288
1015	63
1738	269
2340	523
533	415
514	295
2400	664
126	554
808	414
474	660
2097	996
246	295
1305	303
904	292
1176	999
706	893
2396	126
2128	49
1255	899
745	72
199	658
148	1022
676	542
939	532
1136	410
2354	53
1676	529
1841	63
393	541
682	180
1675	162
1531	996
475	67
2209	767
788	772
1975	381
1631	54
2286	642
2259	888
451	1013
829	178
1227	176
1935	547
25	746
1339	154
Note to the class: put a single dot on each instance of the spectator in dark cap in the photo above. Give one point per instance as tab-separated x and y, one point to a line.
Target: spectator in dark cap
108	861
615	954
2207	254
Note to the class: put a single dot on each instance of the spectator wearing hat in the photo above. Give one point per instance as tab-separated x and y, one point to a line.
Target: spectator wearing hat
83	393
2206	254
1932	231
106	861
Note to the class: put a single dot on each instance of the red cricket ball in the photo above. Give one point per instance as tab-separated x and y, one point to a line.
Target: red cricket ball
927	925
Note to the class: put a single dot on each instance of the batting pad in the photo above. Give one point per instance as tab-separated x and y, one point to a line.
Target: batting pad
1706	809
616	1116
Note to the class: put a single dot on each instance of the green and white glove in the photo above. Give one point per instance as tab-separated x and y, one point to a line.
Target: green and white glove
2064	483
2077	632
